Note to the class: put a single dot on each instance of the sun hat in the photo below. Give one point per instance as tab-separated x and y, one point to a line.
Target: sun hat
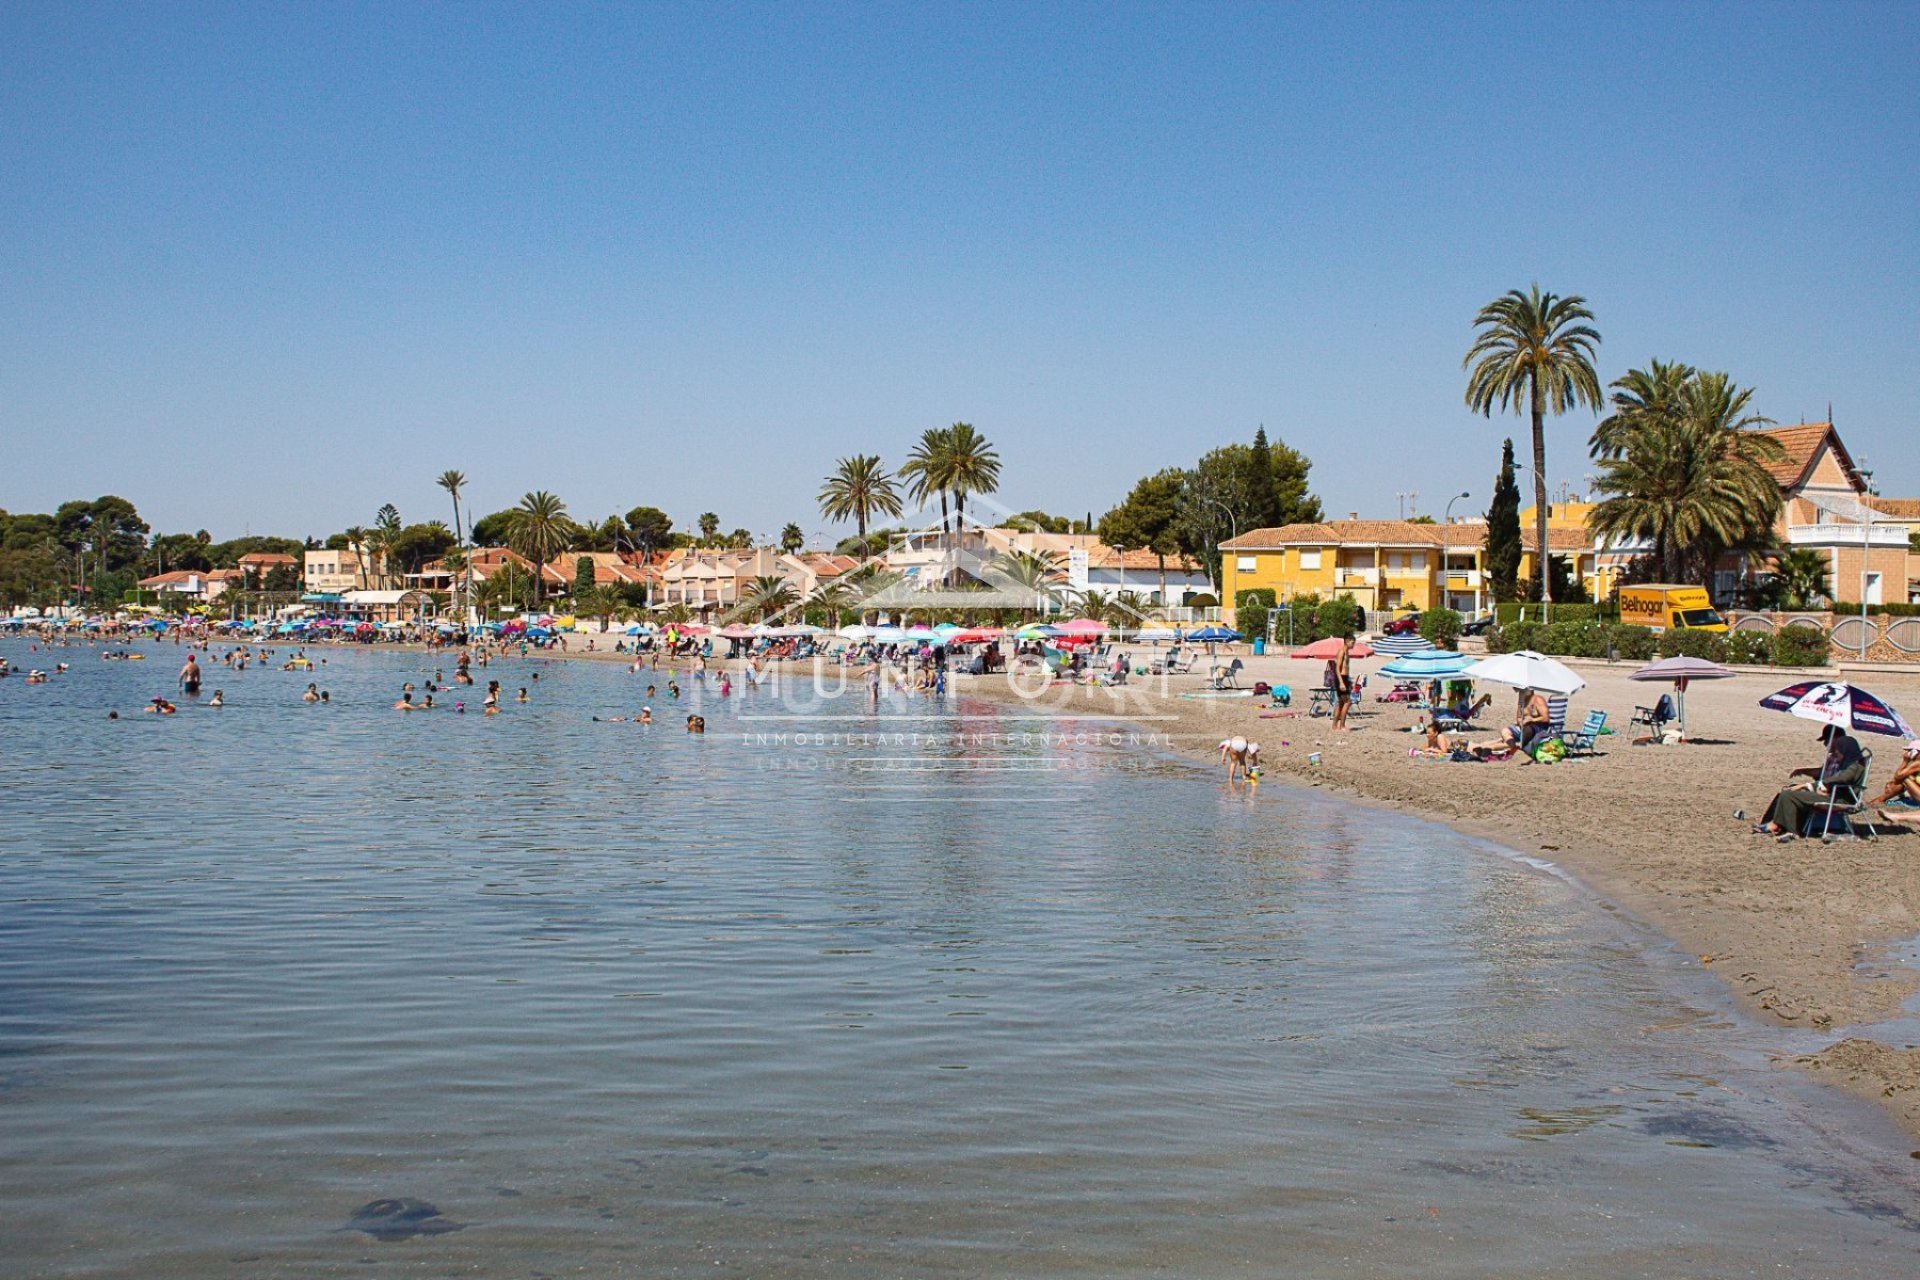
1913	748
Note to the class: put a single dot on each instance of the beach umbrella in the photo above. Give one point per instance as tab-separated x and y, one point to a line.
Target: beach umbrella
1678	672
1839	704
974	635
1397	645
1214	635
1526	669
797	629
925	635
1430	664
1327	649
1038	631
887	634
856	632
738	631
1083	627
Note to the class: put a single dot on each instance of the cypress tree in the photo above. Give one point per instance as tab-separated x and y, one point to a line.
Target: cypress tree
1263	507
1502	561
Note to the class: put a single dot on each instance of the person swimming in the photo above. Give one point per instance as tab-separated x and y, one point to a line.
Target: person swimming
219	698
522	695
696	724
646	715
406	703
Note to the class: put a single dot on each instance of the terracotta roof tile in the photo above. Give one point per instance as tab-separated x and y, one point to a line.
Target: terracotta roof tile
1802	442
1898	508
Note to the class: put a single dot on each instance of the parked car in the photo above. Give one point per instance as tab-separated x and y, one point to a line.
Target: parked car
1404	626
1476	626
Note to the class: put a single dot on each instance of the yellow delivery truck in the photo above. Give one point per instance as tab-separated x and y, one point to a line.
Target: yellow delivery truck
1661	606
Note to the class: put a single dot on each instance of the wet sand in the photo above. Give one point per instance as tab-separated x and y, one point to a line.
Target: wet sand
1801	932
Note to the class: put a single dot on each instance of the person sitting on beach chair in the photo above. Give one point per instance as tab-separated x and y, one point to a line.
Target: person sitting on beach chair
1227	676
1837	780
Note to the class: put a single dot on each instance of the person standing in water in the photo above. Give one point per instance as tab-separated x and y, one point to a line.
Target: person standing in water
190	678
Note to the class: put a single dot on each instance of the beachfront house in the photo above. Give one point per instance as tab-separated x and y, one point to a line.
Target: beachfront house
1828	507
189	585
330	571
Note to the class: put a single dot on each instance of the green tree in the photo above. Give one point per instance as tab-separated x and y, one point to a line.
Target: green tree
972	466
539	530
415	546
858	490
1028	579
453	482
356	537
767	595
178	551
1262	502
491	531
1534	352
1148	517
652	528
791	539
1683	468
709	528
929	468
582	576
1801	579
1502	559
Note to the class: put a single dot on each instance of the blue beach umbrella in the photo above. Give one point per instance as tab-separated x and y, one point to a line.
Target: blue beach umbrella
1214	635
1430	664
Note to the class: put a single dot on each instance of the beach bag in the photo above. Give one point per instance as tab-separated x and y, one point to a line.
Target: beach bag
1262	689
1552	751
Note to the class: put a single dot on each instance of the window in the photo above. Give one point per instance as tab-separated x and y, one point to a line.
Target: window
1309	559
1417	562
1244	564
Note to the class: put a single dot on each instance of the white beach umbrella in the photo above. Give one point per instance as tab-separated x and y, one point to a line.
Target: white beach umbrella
1525	669
855	632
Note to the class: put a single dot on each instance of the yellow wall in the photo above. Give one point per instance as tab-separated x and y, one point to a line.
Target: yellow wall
1277	570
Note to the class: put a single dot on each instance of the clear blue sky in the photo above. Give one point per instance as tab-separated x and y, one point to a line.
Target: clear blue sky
266	267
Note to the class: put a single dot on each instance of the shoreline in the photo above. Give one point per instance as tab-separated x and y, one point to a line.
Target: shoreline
1799	934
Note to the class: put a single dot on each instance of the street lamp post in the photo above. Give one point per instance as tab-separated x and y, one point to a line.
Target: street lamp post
1232	524
1446	521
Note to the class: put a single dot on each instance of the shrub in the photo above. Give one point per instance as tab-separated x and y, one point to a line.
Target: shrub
1251	609
1510	611
1515	635
1440	628
1752	647
1631	643
1688	642
1798	646
1558	638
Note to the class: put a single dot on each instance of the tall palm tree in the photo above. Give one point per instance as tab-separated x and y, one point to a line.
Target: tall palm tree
538	529
453	482
1534	353
357	543
928	468
1800	578
1683	468
858	489
972	466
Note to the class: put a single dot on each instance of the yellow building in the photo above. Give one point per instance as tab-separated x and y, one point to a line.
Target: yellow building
1385	565
1389	565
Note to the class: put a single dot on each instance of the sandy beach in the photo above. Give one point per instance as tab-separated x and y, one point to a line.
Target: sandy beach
1800	931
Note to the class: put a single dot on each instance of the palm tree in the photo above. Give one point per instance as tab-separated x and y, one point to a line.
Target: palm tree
927	470
1684	469
1800	577
709	527
539	529
453	482
858	489
356	543
1028	578
972	467
769	594
1533	353
1095	604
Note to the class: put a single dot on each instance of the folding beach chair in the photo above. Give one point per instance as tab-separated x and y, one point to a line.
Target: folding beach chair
1838	811
1583	741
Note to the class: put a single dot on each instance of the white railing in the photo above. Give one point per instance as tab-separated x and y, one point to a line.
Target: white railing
1847	535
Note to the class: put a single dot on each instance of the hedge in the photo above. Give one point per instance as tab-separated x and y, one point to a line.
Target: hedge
1686	642
1896	609
1250	611
1509	611
1797	646
1754	648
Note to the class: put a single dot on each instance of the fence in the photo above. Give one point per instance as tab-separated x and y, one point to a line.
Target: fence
1897	638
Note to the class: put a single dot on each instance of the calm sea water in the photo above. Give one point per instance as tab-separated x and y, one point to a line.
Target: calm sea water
927	998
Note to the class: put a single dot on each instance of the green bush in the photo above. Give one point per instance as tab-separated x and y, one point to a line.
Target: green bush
1514	635
1631	643
1440	628
1751	647
1558	638
1250	619
1687	642
1337	617
1895	609
1510	611
1265	597
1798	646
